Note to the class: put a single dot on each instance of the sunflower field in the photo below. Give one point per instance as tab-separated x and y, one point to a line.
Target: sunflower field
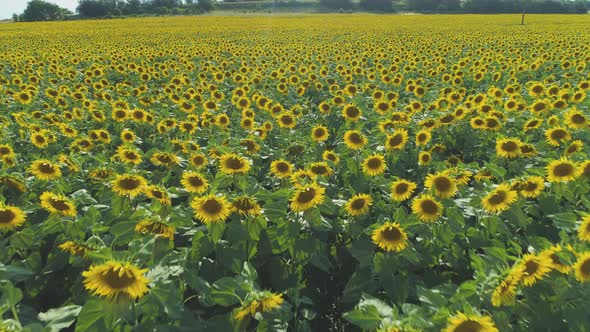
296	173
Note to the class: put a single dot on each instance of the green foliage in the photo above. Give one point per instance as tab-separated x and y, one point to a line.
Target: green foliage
39	10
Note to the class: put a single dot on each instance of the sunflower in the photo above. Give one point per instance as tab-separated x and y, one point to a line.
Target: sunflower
374	165
164	159
246	206
56	203
531	187
158	193
557	135
128	185
423	137
556	263
584	229
397	140
351	112
532	124
44	169
320	133
307	197
508	147
321	168
402	189
427	208
330	155
534	267
211	208
562	170
194	182
13	182
74	248
11	217
505	292
231	163
114	280
281	168
576	146
470	323
499	199
260	303
443	185
286	120
582	267
576	119
354	139
358	204
160	229
584	168
197	160
128	154
390	237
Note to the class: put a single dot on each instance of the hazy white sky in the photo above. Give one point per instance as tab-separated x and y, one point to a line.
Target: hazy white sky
9	7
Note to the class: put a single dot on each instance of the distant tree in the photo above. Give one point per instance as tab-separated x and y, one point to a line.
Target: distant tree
205	5
39	10
336	4
385	6
15	17
95	8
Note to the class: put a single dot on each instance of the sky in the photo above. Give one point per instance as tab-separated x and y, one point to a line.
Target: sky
9	7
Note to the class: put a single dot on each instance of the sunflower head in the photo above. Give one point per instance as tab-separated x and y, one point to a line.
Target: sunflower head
582	267
44	169
499	199
534	268
390	237
443	185
307	197
211	208
562	170
470	323
11	217
117	281
246	206
427	208
259	303
128	185
160	229
233	164
281	168
374	165
358	204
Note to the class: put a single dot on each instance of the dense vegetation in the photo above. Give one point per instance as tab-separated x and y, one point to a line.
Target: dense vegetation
296	173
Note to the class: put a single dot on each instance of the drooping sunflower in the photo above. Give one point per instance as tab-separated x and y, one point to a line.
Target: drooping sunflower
116	280
56	203
281	168
402	189
553	254
260	303
499	199
74	248
307	197
358	204
128	184
129	154
231	163
211	208
508	147
562	170
557	135
582	267
330	155
427	208
194	182
532	124
443	185
354	139
165	159
246	206
158	228
44	169
397	140
505	292
11	217
374	165
584	229
470	323
390	237
574	147
320	133
534	267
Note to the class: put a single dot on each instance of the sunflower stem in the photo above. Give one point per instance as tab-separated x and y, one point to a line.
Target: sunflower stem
14	313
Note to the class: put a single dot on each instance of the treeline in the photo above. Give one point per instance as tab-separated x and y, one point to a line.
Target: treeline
463	6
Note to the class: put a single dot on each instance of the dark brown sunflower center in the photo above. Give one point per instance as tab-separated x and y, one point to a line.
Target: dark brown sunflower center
234	163
157	194
129	183
533	124
212	206
358	204
578	119
165	159
374	163
563	169
585	267
530	186
40	139
539	107
401	188
352	112
319	169
422	137
6	216
443	184
59	204
355	138
391	233
469	326
46	168
282	167
4	150
492	123
244	204
117	281
509	146
287	120
429	206
395	140
306	196
195	181
498	197
558	134
131	155
531	267
319	132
